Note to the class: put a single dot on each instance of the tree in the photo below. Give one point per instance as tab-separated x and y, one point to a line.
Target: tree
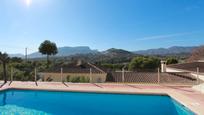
16	59
172	61
144	63
48	48
4	60
197	54
113	66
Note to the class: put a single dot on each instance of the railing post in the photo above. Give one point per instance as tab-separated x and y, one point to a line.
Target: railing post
90	75
35	74
197	72
158	78
11	74
61	74
123	75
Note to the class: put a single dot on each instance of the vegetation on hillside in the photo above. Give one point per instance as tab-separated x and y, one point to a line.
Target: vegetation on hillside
111	60
4	60
144	63
171	61
22	70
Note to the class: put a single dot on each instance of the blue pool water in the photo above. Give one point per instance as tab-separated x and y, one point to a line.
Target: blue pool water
29	102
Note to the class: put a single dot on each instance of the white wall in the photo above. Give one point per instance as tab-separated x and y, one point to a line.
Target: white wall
200	76
173	70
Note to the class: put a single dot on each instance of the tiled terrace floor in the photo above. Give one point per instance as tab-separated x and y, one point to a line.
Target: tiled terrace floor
184	94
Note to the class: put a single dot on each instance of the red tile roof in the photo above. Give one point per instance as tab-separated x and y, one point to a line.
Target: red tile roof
73	68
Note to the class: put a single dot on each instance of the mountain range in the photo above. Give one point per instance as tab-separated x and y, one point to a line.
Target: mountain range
68	51
167	51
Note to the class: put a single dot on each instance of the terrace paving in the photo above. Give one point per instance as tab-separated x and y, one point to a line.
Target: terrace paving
190	98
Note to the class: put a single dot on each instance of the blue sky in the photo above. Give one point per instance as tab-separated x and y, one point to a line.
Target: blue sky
101	24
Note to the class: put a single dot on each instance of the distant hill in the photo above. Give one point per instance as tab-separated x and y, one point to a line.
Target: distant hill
16	55
113	52
167	51
67	51
109	56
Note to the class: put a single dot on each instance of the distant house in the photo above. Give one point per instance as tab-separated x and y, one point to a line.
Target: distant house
72	72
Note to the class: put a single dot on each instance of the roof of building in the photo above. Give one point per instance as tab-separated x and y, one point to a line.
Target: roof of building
192	66
75	68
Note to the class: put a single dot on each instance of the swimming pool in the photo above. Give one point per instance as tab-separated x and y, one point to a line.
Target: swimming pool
25	102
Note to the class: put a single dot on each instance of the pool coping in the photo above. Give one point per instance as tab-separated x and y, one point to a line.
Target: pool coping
88	91
183	100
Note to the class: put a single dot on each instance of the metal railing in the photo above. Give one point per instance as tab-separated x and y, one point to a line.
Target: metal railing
185	78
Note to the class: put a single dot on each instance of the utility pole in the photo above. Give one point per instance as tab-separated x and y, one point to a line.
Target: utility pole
26	54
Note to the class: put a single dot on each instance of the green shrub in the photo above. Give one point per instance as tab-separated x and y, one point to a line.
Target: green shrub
109	77
75	79
84	80
78	79
144	63
172	61
68	77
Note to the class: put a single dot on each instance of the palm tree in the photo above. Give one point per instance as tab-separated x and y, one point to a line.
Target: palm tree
4	60
48	48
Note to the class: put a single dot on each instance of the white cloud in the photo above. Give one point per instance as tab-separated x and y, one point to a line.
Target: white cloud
164	36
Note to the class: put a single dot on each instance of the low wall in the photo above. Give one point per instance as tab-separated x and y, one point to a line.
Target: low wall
173	70
94	77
